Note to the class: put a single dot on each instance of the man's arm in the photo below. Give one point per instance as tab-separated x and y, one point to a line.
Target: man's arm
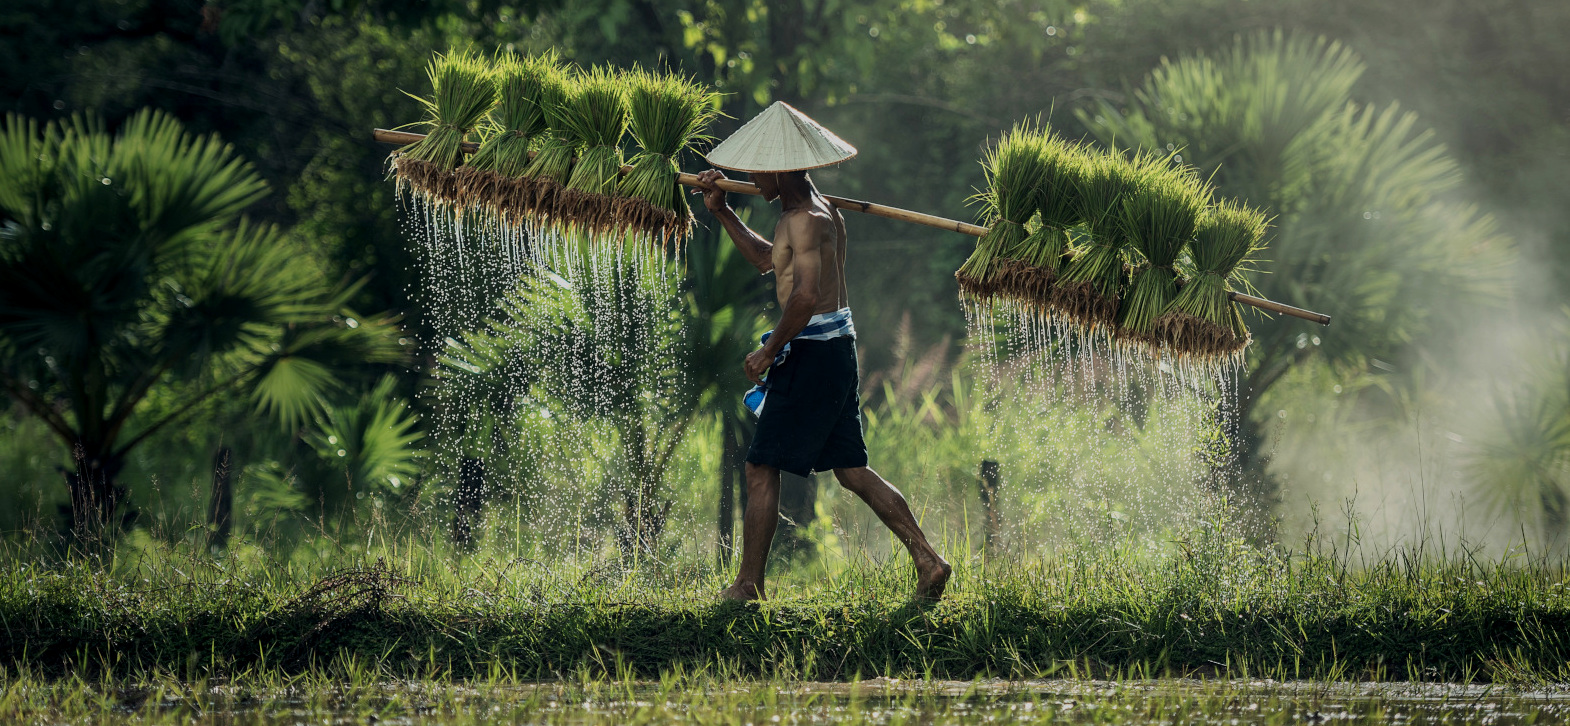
803	232
757	250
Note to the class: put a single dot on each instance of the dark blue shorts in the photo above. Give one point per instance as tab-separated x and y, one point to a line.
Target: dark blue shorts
811	419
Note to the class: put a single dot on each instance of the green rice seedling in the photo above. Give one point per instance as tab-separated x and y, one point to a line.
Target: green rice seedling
463	92
1160	217
667	113
551	167
495	174
1090	285
1015	167
1202	320
596	117
1028	273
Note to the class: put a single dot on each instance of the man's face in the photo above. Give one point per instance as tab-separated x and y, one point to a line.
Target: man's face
768	183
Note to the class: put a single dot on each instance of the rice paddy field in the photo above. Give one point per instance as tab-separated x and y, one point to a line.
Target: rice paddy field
1219	632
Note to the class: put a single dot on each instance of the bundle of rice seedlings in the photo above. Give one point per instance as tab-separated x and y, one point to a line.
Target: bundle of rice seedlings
1015	167
495	174
1202	320
596	118
667	113
1090	284
463	93
1159	217
1028	272
548	173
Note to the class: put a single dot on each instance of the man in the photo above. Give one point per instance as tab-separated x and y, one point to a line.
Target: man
807	397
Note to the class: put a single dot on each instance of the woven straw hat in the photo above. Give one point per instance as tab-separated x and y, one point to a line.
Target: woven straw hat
780	139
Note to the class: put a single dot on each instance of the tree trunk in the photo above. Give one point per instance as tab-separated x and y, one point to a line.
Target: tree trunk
220	502
798	508
1556	518
730	472
468	500
643	514
96	495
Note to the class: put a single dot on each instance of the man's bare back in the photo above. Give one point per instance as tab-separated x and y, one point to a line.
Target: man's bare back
813	231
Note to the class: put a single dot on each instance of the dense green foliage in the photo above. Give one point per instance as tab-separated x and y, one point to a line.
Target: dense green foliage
920	88
129	275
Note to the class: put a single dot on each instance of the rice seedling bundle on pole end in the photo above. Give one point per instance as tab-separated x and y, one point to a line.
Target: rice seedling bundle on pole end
666	114
1014	167
1028	273
1090	285
495	174
551	167
462	94
1160	216
596	117
1203	322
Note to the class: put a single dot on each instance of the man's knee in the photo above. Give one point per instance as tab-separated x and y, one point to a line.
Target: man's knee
853	478
761	475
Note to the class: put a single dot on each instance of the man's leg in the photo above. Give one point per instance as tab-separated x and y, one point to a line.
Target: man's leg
757	531
932	571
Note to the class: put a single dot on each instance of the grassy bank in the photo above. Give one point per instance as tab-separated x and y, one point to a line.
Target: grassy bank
1211	608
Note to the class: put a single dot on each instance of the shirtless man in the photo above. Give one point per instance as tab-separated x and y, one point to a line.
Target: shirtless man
809	415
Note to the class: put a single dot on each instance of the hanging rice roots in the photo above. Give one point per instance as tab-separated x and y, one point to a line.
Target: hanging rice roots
596	118
1089	287
462	93
551	168
666	114
1028	273
1159	217
1032	283
495	174
1014	169
1202	321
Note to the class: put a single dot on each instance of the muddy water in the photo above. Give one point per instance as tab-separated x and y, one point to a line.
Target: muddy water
880	701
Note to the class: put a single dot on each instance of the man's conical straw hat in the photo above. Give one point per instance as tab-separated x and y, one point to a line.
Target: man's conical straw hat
780	139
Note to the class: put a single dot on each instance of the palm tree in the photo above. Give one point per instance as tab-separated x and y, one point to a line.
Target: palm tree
127	270
607	348
1522	460
626	348
1362	227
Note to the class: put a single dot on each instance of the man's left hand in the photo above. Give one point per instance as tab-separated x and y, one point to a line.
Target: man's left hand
757	364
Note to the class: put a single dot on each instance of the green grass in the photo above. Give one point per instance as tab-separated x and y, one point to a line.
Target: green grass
1215	607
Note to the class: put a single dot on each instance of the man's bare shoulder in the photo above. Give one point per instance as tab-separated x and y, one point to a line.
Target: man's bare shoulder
802	227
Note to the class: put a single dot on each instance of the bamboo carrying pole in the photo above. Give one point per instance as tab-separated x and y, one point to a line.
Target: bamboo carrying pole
404	138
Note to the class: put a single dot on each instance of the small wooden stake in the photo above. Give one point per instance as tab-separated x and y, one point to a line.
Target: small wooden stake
990	475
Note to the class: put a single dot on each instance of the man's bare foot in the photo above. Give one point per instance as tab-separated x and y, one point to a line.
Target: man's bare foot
931	578
743	592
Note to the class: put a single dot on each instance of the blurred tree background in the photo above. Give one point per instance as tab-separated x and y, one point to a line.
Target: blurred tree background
1466	100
